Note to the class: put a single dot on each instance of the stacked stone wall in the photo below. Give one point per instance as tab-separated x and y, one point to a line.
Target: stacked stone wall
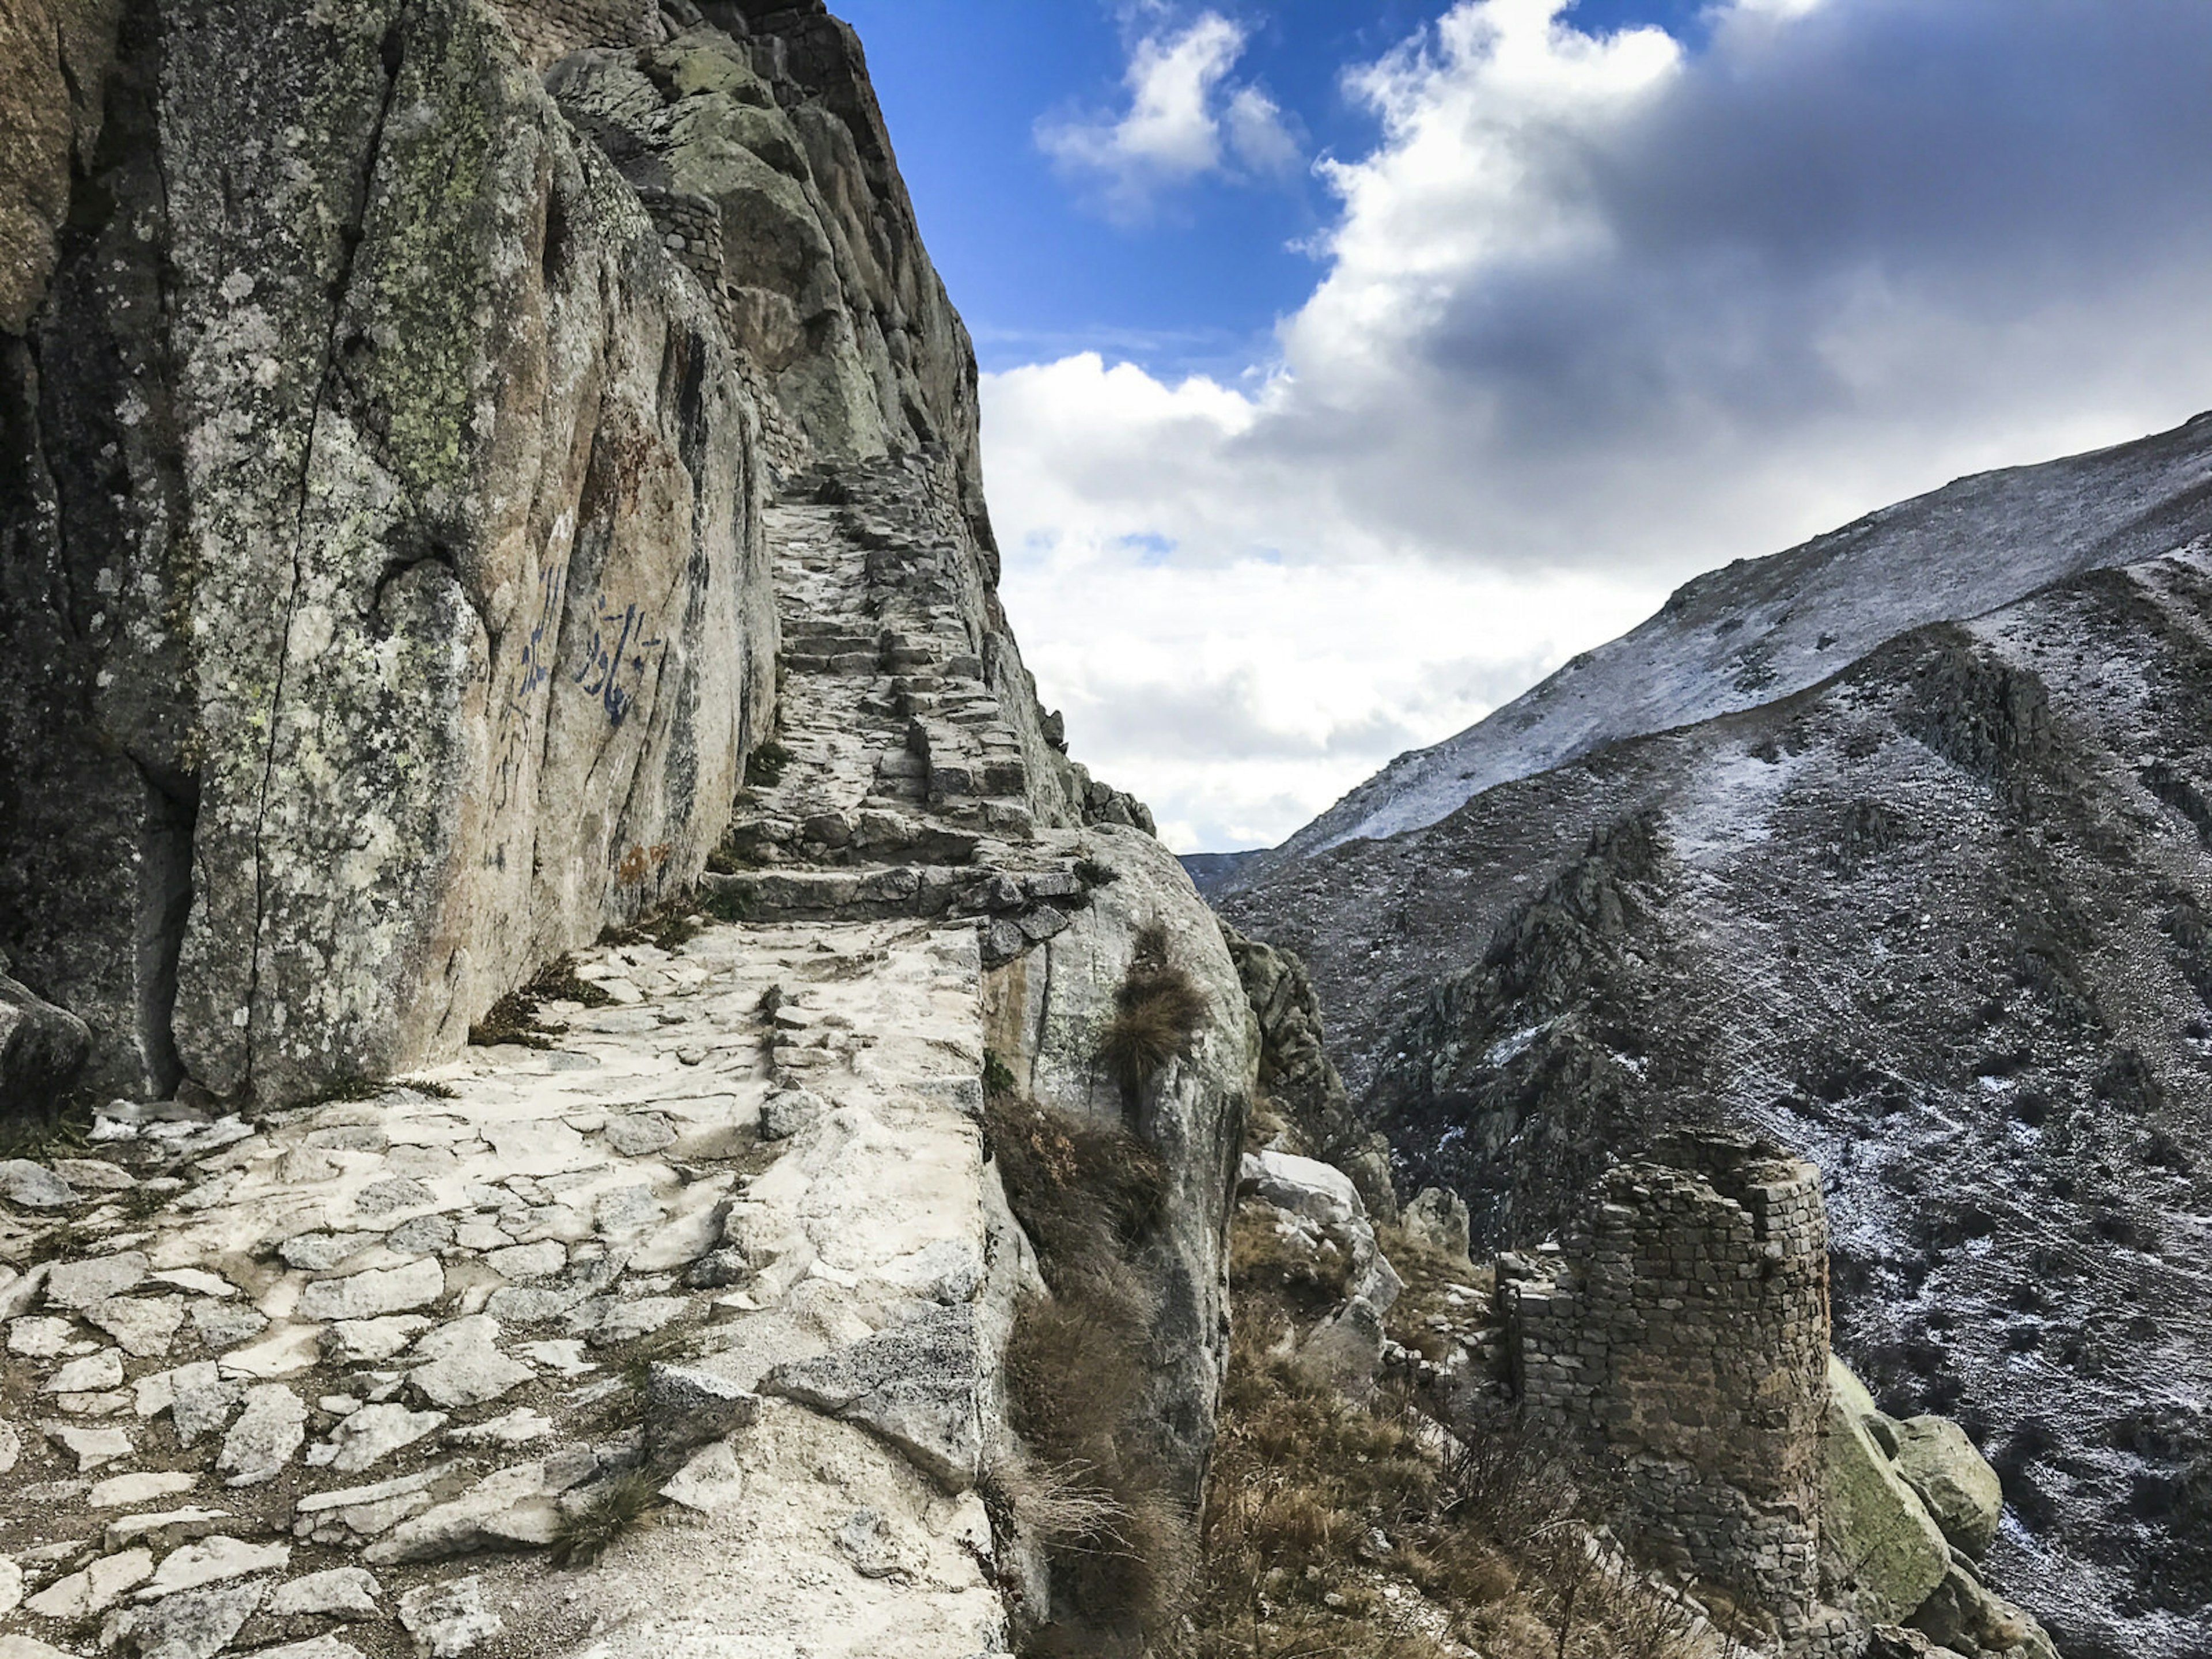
548	30
1683	1343
691	230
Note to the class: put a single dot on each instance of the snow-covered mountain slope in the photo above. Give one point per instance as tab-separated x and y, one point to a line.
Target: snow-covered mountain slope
1761	629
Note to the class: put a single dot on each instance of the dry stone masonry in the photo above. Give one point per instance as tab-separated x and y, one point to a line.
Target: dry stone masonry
1685	1342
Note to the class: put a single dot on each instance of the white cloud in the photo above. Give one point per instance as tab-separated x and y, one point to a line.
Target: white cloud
1186	119
1598	313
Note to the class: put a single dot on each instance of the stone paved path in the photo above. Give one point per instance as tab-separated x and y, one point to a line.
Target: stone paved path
346	1384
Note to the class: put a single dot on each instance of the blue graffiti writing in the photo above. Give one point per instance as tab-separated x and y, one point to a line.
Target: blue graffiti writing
609	654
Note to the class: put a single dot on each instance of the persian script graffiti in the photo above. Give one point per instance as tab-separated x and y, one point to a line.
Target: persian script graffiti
535	668
613	671
618	645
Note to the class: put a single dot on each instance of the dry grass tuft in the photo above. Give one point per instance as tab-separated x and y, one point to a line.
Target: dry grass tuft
1085	1196
515	1017
1284	1274
1157	1010
610	1510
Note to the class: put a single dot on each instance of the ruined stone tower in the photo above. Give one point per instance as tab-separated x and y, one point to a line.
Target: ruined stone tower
1684	1342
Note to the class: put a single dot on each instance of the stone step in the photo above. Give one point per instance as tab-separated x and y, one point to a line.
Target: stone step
837	895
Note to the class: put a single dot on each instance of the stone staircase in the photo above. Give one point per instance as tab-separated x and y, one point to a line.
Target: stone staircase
901	786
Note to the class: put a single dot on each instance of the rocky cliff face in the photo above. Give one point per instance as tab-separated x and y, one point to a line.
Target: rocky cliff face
1934	920
497	588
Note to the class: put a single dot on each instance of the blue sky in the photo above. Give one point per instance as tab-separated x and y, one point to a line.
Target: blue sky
1352	363
964	83
1033	269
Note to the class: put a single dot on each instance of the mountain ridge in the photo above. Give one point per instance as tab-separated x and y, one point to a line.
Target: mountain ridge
1702	654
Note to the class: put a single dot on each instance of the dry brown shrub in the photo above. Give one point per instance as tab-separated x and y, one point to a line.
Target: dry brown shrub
1119	1545
1265	1266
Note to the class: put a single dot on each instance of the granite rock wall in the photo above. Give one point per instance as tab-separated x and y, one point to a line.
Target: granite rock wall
386	598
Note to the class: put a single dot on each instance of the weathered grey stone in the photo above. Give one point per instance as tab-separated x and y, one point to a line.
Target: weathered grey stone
1304	1187
1962	1492
517	1506
224	1325
91	1374
1438	1219
424	1236
865	1542
317	1252
34	1186
39	1338
42	1048
607	1321
315	1647
375	1292
525	1264
95	1588
128	1491
916	1384
447	1620
194	1623
462	1366
268	1432
637	1134
144	1325
202	1400
91	1448
336	1593
369	1342
712	1479
787	1111
1964	1614
718	1270
213	1561
368	1436
1873	1527
685	1406
79	1285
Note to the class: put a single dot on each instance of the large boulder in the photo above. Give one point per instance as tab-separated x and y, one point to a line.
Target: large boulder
1439	1218
1317	1211
42	1048
1954	1480
1965	1615
1045	1013
386	607
1875	1536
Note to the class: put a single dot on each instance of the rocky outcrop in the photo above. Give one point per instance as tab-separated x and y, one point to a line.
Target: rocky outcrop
388	605
475	464
1047	1013
1301	1083
42	1050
